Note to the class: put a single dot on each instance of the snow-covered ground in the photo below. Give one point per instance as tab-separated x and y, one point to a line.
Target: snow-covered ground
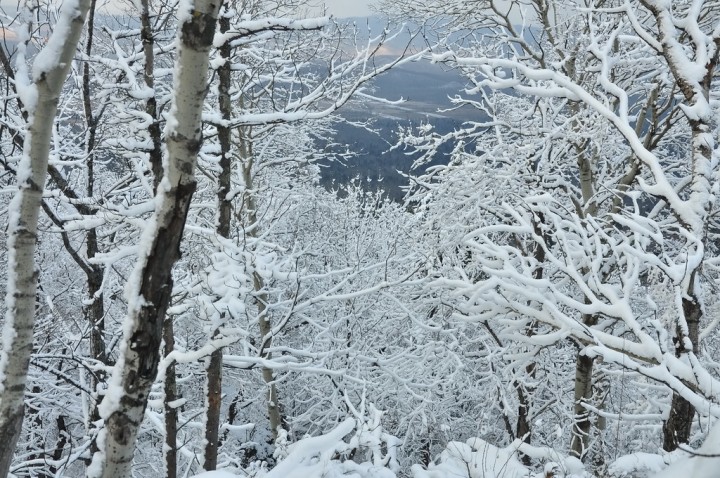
325	456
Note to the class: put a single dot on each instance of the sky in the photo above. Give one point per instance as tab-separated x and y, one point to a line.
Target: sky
338	8
349	8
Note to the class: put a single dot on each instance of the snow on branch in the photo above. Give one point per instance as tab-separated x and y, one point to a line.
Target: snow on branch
245	28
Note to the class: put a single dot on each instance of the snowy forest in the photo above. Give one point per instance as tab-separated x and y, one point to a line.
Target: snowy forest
188	294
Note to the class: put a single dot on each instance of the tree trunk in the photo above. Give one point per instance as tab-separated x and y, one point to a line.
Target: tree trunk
94	307
601	453
170	408
273	404
214	369
148	41
213	405
94	310
696	91
155	156
149	289
677	427
94	313
523	429
50	70
580	440
581	427
63	438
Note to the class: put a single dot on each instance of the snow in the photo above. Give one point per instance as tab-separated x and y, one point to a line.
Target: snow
114	392
47	59
705	463
251	27
317	457
475	458
96	465
642	348
636	465
216	474
8	332
184	10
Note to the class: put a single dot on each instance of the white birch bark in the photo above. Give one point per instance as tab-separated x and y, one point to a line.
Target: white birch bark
693	74
40	96
149	289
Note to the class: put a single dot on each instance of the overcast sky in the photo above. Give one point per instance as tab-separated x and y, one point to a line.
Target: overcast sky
338	8
348	8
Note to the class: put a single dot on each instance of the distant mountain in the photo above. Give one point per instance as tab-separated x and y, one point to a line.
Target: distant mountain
426	89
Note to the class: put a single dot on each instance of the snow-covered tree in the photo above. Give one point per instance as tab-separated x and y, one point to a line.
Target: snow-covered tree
39	91
606	183
150	286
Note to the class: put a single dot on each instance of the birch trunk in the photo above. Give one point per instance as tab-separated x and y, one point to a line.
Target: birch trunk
155	155
580	441
171	414
149	289
523	428
703	52
583	389
148	41
676	429
50	69
273	405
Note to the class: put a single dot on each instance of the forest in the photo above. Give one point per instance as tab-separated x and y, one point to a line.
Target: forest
228	252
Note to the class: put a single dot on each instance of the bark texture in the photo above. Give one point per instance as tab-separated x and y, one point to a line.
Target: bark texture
696	92
150	288
213	405
148	41
580	441
273	404
523	428
49	75
214	368
676	429
94	308
171	415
